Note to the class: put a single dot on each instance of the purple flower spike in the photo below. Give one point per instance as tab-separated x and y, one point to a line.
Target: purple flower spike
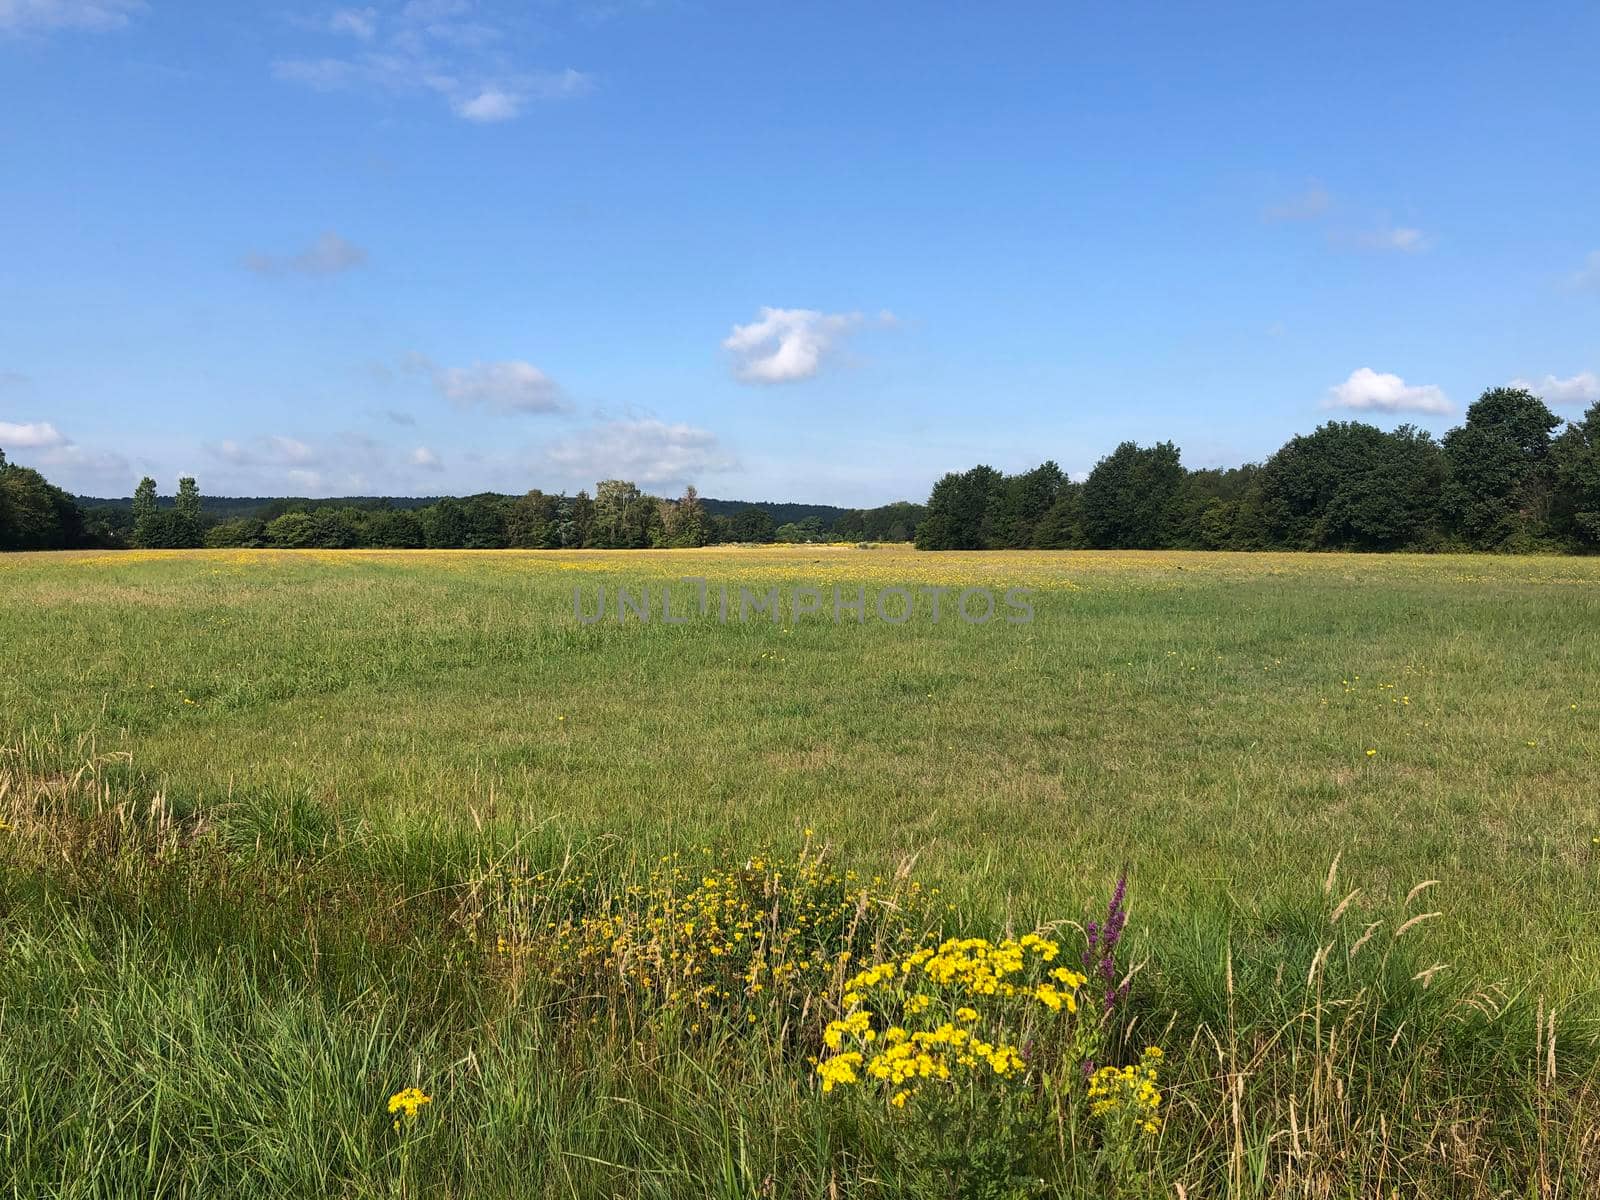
1101	954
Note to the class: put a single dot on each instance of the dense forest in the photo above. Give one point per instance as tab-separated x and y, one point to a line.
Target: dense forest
1504	480
1512	477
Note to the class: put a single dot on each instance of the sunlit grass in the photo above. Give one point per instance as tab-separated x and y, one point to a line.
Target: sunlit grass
379	725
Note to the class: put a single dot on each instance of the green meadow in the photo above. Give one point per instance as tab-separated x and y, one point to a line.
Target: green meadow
286	833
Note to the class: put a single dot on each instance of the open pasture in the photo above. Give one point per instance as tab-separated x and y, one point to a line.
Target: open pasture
346	744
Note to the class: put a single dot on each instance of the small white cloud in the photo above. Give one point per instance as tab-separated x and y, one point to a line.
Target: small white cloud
34	435
425	458
646	451
1306	206
1587	277
291	450
1370	391
789	344
310	480
560	85
431	47
489	105
272	451
1399	238
357	22
512	386
42	16
1580	389
328	255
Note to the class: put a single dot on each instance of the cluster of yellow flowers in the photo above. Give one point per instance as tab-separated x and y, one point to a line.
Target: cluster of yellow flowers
957	1011
407	1103
1129	1094
705	936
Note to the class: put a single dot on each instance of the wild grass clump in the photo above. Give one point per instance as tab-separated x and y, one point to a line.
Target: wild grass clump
194	1005
764	940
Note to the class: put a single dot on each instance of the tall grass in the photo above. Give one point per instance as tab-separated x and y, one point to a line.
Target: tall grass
219	1001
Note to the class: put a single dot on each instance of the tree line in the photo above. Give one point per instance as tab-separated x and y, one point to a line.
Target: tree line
1512	477
1504	480
35	515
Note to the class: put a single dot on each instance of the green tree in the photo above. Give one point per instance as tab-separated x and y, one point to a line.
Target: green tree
146	514
620	520
187	523
806	530
1061	528
395	529
685	523
1352	486
1022	504
1575	456
34	513
292	531
1498	481
577	521
961	511
753	524
484	522
1130	500
534	522
241	532
444	525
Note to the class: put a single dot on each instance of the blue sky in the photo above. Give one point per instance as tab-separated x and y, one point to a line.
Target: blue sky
817	252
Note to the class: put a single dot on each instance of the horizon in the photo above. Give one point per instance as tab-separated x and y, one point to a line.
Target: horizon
455	246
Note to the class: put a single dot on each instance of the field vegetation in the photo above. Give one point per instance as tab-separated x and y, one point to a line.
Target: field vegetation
379	874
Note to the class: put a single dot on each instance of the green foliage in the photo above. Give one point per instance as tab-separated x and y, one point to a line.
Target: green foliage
34	514
187	524
533	522
752	524
1497	482
1575	457
1131	498
1351	486
1497	489
292	531
145	513
961	511
804	531
685	523
242	533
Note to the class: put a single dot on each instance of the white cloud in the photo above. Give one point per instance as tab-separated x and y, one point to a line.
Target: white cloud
1581	389
435	47
328	255
1587	276
1399	238
425	458
646	451
512	386
35	435
67	464
788	344
1370	391
490	105
1306	206
357	22
274	450
41	16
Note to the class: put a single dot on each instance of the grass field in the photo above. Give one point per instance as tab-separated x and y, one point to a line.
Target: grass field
275	824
